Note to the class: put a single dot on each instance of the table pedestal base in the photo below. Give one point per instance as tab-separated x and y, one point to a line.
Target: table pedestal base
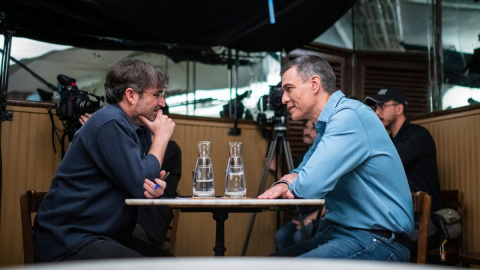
220	216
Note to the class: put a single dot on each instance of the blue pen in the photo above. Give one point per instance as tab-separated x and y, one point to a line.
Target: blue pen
165	177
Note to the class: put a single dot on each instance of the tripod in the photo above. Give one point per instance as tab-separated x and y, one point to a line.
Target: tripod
279	137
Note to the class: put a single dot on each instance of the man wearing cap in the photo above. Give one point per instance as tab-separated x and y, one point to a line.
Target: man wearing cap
414	143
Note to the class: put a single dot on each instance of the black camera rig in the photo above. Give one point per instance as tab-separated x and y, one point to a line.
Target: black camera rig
72	103
272	112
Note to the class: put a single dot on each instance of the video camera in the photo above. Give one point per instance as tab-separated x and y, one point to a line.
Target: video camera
74	102
272	110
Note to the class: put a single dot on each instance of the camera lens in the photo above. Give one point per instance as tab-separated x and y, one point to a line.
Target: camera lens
276	101
85	105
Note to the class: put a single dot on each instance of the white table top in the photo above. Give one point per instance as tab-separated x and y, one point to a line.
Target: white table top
223	202
231	263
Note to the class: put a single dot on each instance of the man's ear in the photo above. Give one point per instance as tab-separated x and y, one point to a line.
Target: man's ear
316	83
131	96
399	109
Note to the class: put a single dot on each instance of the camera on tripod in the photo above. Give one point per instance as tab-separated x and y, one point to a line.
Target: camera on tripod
272	110
74	102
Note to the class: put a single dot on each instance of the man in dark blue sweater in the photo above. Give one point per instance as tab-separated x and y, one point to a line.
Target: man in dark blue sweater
153	222
112	157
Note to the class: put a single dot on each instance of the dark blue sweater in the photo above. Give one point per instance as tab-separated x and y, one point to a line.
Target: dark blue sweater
106	163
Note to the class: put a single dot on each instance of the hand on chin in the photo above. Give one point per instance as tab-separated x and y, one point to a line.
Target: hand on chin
150	118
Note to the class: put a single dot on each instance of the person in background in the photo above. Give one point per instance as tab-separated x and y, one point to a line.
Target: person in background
292	231
414	143
352	164
416	148
112	157
153	222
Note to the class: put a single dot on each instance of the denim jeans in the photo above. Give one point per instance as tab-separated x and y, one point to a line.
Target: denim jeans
340	243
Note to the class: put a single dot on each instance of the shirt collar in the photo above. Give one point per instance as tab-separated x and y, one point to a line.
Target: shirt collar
402	128
330	107
125	115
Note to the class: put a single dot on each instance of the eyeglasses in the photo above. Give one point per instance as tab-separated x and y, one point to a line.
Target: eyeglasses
380	106
158	95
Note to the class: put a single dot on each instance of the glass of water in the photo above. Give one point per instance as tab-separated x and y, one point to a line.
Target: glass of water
203	185
235	184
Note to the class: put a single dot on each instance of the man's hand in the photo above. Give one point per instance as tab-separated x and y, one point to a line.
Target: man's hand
306	221
273	163
83	118
150	191
162	128
298	226
279	190
161	125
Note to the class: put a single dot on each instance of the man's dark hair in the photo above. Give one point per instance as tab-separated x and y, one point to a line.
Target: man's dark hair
310	65
136	74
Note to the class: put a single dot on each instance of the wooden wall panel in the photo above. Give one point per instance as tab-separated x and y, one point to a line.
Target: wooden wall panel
28	162
407	71
458	151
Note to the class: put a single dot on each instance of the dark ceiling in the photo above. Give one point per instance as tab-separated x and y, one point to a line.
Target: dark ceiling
181	29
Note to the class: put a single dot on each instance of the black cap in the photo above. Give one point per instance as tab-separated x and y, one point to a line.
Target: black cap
386	94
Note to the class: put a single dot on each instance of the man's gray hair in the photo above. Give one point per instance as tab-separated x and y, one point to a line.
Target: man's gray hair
310	65
136	74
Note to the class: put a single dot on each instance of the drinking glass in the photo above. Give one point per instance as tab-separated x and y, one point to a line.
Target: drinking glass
203	184
235	184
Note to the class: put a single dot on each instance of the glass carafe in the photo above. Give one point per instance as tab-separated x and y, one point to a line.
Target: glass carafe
203	185
235	185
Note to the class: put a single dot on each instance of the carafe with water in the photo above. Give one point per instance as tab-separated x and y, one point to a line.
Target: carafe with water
203	185
235	185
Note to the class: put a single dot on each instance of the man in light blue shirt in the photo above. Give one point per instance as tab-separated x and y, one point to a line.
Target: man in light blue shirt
352	164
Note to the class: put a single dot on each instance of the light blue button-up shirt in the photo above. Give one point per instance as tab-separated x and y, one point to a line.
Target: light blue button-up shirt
355	167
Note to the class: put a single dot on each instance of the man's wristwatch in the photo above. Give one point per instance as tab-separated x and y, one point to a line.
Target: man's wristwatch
280	182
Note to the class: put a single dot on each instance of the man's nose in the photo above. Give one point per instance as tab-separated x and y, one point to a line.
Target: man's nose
162	103
285	98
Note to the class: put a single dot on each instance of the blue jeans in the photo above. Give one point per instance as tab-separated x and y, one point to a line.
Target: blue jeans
340	243
288	235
